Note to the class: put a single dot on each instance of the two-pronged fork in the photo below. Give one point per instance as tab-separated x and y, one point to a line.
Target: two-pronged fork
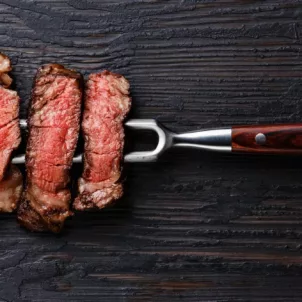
283	139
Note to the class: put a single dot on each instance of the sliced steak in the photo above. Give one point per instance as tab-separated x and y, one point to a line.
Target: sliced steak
107	103
54	121
10	176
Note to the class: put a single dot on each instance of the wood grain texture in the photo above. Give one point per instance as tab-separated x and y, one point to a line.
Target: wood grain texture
284	139
193	226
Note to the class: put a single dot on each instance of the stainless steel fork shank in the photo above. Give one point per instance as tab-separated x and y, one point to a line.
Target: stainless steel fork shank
212	140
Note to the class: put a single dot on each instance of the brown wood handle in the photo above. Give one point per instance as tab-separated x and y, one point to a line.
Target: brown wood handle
270	139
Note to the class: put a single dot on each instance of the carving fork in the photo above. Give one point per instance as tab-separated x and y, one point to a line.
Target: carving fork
280	139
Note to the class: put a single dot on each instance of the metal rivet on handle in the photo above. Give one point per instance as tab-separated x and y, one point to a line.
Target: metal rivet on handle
260	139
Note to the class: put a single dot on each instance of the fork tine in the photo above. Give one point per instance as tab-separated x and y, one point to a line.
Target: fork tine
23	124
17	160
141	124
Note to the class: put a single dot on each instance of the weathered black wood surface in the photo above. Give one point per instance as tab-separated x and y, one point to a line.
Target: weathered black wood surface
194	226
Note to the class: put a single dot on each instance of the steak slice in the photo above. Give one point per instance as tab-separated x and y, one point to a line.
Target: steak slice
107	103
10	176
54	121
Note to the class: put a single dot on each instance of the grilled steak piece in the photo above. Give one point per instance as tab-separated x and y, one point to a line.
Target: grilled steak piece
10	177
54	121
107	103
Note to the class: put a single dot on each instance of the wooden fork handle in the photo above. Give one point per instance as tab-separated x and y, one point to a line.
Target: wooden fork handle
269	139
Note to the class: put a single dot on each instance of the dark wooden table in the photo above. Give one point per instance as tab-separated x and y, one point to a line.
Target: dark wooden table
193	226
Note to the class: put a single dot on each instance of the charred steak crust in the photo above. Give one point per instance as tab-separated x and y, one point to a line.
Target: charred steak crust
29	218
11	181
11	189
106	105
54	122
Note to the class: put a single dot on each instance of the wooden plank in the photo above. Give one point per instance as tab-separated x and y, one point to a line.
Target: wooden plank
194	226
